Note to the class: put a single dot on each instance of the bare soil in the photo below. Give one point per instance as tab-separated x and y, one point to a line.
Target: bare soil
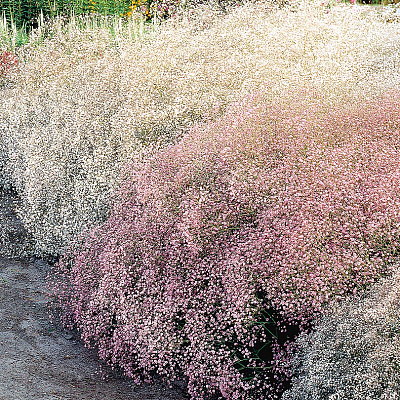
39	359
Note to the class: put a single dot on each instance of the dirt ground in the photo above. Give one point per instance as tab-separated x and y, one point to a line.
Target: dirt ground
39	360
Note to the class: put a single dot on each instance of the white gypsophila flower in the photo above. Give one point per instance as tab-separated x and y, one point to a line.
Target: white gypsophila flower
354	351
85	103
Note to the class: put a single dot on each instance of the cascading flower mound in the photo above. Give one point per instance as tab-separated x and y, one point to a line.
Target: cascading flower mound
221	248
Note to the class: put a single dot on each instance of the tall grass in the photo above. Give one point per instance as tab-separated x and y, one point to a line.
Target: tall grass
17	40
27	11
25	14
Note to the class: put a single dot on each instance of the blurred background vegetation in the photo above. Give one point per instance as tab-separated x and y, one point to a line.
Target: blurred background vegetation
24	14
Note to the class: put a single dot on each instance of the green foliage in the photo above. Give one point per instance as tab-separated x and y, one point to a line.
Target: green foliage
26	12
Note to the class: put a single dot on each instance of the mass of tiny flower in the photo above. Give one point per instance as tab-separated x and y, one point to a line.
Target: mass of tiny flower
85	101
220	246
354	352
219	250
8	63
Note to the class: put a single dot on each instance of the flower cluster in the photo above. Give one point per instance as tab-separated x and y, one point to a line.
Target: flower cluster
354	352
221	248
8	63
74	117
159	8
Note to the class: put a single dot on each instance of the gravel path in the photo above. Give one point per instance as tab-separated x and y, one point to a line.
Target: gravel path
39	360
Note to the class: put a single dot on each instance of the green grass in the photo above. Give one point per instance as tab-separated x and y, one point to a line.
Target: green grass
25	14
26	11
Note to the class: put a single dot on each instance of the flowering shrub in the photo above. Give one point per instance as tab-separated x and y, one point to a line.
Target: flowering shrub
8	63
354	352
88	101
221	248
